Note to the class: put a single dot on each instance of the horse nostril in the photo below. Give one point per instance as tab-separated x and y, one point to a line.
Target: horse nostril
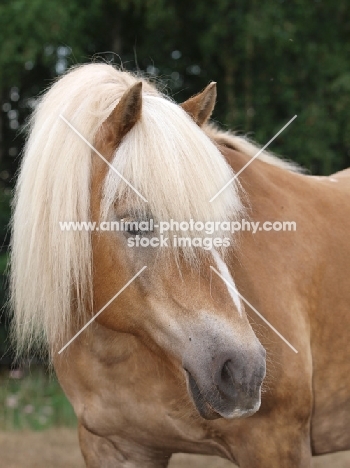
226	376
234	377
226	380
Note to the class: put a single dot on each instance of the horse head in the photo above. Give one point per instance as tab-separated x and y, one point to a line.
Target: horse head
177	306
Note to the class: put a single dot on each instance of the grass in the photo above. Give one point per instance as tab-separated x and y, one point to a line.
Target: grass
33	400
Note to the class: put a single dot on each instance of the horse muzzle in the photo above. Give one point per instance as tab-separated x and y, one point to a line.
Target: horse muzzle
227	385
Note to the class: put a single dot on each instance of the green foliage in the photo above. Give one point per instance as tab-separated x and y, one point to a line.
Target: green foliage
33	401
31	31
271	59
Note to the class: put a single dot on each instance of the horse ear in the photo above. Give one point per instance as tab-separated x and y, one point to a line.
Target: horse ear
201	106
126	113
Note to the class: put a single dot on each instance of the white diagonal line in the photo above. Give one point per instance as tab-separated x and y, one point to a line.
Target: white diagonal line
254	309
101	310
103	158
249	162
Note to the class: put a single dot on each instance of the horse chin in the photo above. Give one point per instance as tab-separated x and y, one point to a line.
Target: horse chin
203	407
215	408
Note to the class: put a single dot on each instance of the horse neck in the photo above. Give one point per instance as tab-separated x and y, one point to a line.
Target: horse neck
267	188
271	194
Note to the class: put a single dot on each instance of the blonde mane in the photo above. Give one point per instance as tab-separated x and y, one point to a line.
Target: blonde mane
248	147
165	156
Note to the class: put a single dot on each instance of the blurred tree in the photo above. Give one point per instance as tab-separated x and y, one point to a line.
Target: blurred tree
271	60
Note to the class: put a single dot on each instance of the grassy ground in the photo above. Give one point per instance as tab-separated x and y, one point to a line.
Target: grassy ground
34	415
32	400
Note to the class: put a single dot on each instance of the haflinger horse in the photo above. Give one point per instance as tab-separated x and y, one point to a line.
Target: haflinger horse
179	362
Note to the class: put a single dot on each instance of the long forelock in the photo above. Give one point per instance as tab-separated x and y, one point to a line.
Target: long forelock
175	166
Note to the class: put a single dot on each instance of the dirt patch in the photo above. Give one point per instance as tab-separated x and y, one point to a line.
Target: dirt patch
58	448
339	460
55	448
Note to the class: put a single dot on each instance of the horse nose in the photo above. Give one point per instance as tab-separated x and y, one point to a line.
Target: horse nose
238	377
226	382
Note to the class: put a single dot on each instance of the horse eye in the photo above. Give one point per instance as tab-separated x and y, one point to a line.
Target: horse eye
133	228
135	232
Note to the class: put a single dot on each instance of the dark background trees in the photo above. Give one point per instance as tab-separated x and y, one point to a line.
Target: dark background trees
271	60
